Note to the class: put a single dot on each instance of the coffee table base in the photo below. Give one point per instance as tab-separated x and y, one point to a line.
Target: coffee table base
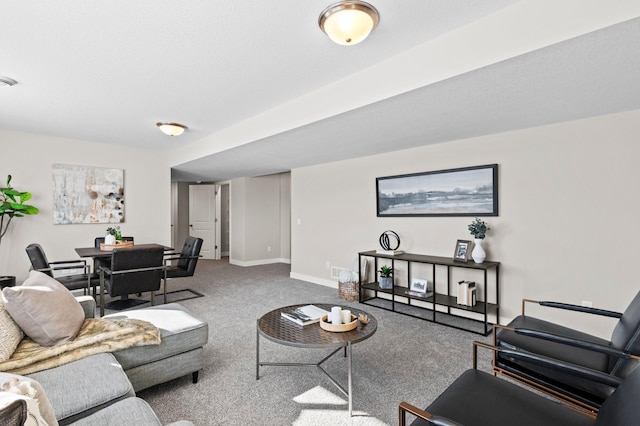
347	353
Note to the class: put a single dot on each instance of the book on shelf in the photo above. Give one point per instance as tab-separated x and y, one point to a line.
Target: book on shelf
304	315
466	293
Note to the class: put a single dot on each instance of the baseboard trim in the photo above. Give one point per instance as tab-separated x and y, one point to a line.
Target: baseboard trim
314	280
258	262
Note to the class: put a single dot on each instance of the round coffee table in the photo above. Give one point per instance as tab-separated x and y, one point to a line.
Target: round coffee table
274	327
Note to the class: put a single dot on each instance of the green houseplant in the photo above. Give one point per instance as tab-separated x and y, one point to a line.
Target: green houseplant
12	205
386	278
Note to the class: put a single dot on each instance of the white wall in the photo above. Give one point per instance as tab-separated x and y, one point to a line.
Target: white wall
29	157
568	209
260	218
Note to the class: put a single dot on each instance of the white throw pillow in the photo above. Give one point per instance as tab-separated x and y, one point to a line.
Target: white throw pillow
44	309
11	334
34	418
27	387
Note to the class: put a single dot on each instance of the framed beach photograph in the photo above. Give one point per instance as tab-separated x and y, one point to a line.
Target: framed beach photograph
419	285
463	251
468	191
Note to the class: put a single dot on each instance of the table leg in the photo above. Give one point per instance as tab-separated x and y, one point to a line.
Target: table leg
257	354
349	378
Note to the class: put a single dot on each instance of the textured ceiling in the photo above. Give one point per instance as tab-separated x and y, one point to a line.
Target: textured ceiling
85	67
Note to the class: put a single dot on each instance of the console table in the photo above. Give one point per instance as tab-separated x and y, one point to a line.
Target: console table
397	299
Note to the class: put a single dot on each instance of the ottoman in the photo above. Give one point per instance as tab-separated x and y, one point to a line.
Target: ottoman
179	354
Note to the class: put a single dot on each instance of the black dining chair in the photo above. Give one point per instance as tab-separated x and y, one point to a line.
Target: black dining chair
84	281
105	261
183	264
136	269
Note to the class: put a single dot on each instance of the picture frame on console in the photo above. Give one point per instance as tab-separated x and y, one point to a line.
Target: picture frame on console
462	251
419	285
467	191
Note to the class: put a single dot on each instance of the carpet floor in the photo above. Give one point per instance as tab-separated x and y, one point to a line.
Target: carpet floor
407	359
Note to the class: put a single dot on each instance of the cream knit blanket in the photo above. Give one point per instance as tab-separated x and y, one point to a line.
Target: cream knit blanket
97	335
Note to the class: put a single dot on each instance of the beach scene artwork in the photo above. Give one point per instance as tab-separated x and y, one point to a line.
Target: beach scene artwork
470	191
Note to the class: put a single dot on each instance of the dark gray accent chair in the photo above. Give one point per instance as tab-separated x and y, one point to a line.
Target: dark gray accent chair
479	398
183	264
83	281
105	261
136	269
617	356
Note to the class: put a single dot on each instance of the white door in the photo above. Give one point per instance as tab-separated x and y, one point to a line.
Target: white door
202	218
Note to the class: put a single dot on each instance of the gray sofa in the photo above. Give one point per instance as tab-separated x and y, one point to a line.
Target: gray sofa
100	389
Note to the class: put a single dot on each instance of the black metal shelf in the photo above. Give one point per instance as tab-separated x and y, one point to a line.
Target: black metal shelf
447	301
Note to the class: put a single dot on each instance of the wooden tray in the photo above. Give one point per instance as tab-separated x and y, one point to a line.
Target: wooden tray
118	244
340	328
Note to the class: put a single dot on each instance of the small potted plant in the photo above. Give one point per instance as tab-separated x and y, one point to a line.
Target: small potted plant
478	228
386	278
110	238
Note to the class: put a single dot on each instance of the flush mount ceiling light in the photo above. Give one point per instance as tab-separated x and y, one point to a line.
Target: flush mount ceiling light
6	81
348	22
171	129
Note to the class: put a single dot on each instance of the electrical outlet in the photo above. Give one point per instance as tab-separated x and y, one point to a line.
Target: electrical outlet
268	248
327	264
587	303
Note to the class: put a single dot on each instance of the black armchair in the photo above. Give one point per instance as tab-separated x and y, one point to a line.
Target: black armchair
617	356
479	398
83	281
185	262
135	269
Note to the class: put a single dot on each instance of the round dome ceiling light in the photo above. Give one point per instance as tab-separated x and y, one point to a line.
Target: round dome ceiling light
171	129
6	81
348	22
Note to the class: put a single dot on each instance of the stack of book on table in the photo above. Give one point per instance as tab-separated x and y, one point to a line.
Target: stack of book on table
467	293
304	315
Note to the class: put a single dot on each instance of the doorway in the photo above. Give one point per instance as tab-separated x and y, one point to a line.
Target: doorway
204	203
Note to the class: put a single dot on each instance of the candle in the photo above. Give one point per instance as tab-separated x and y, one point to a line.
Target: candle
335	315
345	316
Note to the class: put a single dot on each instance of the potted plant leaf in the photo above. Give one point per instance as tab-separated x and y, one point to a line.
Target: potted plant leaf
12	205
386	277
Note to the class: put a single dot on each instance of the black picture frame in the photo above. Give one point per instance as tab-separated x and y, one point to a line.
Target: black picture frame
462	251
466	191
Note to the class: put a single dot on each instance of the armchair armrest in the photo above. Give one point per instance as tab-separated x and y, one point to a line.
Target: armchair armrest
551	363
570	307
608	350
405	408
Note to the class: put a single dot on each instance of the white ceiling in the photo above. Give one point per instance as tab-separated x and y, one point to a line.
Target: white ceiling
108	71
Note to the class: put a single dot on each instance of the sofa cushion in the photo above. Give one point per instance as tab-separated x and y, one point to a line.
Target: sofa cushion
44	309
28	387
130	411
11	334
181	332
84	386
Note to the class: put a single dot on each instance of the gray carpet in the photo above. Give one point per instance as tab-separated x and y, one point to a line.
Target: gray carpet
407	359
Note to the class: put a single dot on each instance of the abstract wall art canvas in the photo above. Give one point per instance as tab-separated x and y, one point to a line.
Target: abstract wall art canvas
85	194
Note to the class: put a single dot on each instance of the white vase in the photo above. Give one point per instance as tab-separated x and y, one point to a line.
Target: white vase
110	239
478	254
